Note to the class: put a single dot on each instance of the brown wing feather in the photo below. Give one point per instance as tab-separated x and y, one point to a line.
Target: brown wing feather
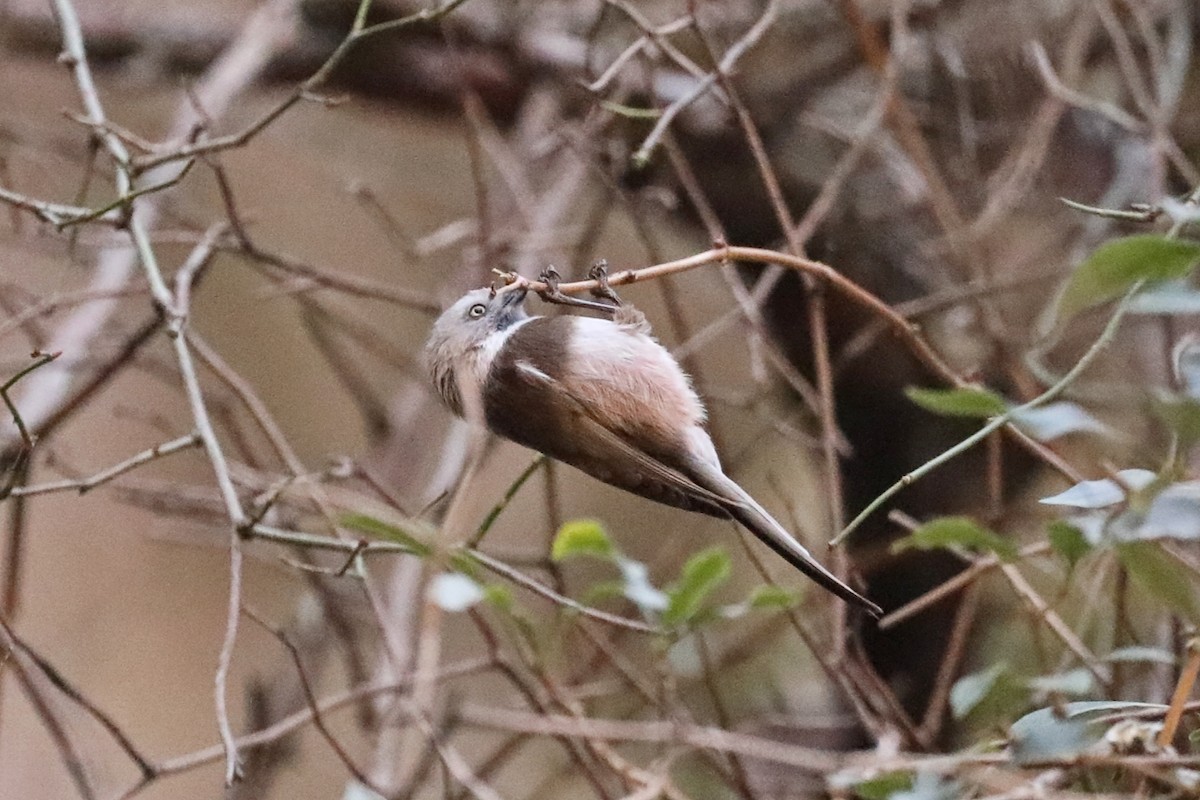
528	402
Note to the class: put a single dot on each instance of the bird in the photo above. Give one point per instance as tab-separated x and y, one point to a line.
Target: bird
602	395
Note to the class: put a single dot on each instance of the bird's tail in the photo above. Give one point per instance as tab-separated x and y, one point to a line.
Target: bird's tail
755	519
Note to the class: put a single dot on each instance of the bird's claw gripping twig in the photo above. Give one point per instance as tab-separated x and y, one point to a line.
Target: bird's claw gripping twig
599	274
551	294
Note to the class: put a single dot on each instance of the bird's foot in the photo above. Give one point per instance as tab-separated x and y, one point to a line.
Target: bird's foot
599	274
551	294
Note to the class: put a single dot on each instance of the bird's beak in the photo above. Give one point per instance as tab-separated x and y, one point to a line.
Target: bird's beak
513	295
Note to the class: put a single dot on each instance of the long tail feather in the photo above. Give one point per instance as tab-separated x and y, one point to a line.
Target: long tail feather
755	519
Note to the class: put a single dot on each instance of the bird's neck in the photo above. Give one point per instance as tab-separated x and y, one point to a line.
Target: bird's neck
469	371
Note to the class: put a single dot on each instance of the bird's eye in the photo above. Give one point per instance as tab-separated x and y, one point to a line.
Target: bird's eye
476	311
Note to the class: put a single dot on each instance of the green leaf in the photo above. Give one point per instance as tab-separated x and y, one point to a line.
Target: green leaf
364	523
971	690
764	598
1181	414
769	596
948	532
1055	420
497	596
1055	733
1174	513
975	403
1161	576
464	561
1076	681
702	573
1117	265
884	786
1102	492
1068	541
1135	654
582	537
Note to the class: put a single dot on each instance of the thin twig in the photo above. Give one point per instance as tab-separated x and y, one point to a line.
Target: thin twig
85	485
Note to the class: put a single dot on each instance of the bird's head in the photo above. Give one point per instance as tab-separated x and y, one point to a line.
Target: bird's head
458	346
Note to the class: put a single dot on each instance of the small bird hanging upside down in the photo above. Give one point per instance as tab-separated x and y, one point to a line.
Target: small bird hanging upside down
603	396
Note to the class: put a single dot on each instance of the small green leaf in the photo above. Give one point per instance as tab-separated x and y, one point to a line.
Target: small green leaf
497	596
1181	414
1119	264
1075	681
769	597
702	573
1161	576
1055	733
582	537
1102	492
1174	513
1135	654
764	598
1055	420
975	403
948	532
971	690
1068	541
464	561
364	523
884	786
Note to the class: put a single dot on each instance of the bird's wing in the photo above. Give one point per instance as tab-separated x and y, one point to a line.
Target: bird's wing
555	420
